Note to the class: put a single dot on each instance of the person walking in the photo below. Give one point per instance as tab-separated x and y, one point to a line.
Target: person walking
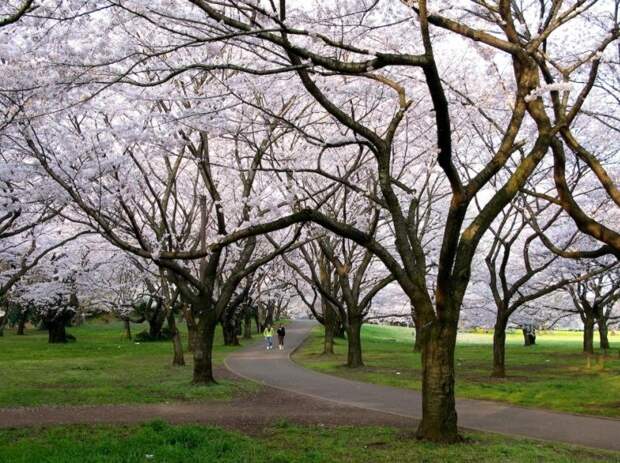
281	333
268	334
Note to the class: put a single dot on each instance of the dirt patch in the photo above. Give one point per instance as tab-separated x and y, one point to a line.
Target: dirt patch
251	413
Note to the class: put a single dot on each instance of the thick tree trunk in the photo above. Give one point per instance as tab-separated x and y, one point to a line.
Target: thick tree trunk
603	333
354	342
155	326
247	325
177	346
229	330
259	327
203	351
588	335
528	338
499	349
57	332
417	343
21	325
439	418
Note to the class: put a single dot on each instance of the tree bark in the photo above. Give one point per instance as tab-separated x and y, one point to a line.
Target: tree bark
155	326
417	343
191	336
439	418
203	351
229	330
177	346
528	339
499	349
603	333
328	340
257	321
57	333
127	328
331	323
588	335
354	341
247	324
21	325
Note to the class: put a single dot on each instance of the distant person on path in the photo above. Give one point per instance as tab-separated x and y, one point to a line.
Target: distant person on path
268	334
281	333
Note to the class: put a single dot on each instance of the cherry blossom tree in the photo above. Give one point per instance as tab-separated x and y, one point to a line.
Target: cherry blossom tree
595	301
399	81
521	269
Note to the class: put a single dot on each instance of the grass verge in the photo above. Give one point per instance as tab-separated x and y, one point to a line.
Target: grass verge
160	442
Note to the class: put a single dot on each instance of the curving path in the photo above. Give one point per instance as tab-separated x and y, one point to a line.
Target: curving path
275	368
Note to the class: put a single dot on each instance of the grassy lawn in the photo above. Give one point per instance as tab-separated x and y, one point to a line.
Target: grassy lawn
160	442
100	368
553	374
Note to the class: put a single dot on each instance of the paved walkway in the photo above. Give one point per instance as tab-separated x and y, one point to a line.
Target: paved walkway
274	368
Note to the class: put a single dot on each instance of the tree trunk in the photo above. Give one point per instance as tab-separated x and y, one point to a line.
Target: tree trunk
603	332
528	338
439	418
21	325
417	343
155	326
331	324
247	325
499	349
203	350
229	330
191	337
354	342
328	340
259	327
588	335
177	346
57	332
127	328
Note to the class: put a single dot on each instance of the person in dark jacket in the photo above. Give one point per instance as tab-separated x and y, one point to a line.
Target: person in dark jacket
281	333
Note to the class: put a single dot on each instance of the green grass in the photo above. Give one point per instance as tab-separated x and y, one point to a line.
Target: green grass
160	442
553	374
100	368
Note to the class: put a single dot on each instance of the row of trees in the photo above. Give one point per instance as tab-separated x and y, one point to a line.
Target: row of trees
362	143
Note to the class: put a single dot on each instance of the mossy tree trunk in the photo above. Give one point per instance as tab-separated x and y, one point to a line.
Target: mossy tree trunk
417	343
439	418
330	323
499	348
57	334
354	343
203	350
178	358
603	333
588	334
247	322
